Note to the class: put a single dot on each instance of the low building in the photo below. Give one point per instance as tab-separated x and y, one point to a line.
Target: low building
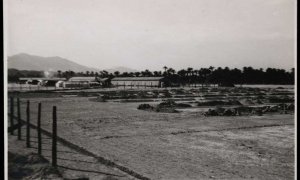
139	81
41	81
75	84
83	79
105	82
60	84
92	81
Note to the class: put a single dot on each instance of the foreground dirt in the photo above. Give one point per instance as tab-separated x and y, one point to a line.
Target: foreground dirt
30	166
183	145
25	163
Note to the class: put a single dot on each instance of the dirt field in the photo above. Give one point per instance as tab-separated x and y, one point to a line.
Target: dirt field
25	163
184	145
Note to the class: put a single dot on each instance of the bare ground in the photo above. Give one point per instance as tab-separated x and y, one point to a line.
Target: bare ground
71	164
185	145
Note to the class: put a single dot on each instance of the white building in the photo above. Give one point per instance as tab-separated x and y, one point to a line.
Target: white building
138	81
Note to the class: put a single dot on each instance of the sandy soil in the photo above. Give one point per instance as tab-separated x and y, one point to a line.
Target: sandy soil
71	164
182	145
30	166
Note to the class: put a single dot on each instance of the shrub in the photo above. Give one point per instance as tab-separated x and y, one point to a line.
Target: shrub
183	105
167	103
145	107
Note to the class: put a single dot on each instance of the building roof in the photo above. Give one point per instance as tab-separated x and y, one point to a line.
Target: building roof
137	78
76	82
44	79
60	81
102	79
82	79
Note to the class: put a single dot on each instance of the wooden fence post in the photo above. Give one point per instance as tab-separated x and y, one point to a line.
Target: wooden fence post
28	124
12	114
19	119
39	130
54	138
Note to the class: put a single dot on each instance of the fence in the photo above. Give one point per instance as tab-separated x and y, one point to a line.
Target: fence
54	137
31	87
29	126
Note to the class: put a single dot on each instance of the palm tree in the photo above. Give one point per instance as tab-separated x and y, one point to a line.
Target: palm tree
92	73
72	73
148	73
137	74
165	68
125	74
59	73
87	73
116	73
104	74
143	73
80	74
171	71
189	70
131	74
159	73
182	73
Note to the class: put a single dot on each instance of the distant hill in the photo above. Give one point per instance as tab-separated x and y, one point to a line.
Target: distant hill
121	69
31	62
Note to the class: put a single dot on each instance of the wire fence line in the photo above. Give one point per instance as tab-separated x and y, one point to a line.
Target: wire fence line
53	135
17	126
31	87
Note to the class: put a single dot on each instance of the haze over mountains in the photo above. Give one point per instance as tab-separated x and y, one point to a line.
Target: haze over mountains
25	61
121	69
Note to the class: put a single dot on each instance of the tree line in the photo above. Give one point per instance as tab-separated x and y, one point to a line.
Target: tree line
210	75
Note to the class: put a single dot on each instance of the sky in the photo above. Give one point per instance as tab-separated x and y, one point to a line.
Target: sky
150	34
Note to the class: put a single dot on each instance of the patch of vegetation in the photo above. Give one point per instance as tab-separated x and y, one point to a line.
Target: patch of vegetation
217	103
167	103
282	99
214	95
136	100
145	107
183	105
247	110
167	106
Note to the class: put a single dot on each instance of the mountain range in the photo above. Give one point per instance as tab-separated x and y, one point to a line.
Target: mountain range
25	61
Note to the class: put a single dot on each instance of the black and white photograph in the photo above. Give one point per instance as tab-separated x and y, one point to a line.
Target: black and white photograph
150	89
